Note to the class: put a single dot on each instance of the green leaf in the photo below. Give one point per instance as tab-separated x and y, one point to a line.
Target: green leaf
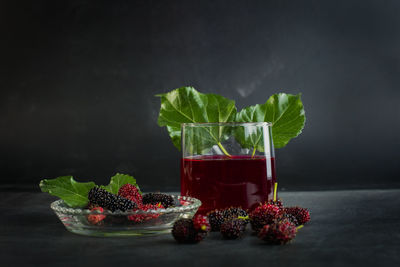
250	137
186	105
73	193
284	111
118	180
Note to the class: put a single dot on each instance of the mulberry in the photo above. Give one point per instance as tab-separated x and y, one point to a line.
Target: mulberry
155	198
278	233
233	228
302	214
201	223
233	212
264	214
131	192
104	199
184	232
276	203
141	217
91	206
96	218
216	218
291	218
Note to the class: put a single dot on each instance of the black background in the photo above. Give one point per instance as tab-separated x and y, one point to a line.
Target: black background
78	80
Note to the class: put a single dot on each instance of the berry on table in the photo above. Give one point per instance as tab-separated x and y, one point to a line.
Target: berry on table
216	218
291	218
264	214
234	212
301	214
233	228
184	232
276	203
201	223
278	233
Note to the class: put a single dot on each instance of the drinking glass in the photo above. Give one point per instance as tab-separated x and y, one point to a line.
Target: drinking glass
227	164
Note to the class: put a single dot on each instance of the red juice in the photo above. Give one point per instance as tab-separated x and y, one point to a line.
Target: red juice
221	181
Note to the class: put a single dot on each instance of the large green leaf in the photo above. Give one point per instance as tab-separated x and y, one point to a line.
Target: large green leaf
250	137
186	105
284	111
73	193
118	180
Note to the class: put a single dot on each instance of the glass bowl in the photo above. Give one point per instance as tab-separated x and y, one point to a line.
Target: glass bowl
128	223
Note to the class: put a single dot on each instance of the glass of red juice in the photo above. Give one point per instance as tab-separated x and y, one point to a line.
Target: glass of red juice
227	164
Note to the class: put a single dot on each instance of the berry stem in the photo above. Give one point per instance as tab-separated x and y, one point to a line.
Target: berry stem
243	217
254	152
275	190
299	227
224	150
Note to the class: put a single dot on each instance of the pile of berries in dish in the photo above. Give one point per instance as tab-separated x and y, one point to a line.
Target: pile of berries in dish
271	221
128	199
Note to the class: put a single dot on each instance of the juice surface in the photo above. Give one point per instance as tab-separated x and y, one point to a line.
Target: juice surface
221	181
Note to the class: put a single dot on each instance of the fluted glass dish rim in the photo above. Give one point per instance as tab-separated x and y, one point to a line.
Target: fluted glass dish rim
194	203
120	224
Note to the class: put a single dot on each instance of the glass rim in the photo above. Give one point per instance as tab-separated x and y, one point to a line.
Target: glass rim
202	124
194	203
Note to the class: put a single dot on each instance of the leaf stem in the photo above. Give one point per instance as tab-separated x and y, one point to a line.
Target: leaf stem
224	150
254	152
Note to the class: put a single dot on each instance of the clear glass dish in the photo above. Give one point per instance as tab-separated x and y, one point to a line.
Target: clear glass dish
150	222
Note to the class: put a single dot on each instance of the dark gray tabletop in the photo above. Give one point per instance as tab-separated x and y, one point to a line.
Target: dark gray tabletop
347	228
